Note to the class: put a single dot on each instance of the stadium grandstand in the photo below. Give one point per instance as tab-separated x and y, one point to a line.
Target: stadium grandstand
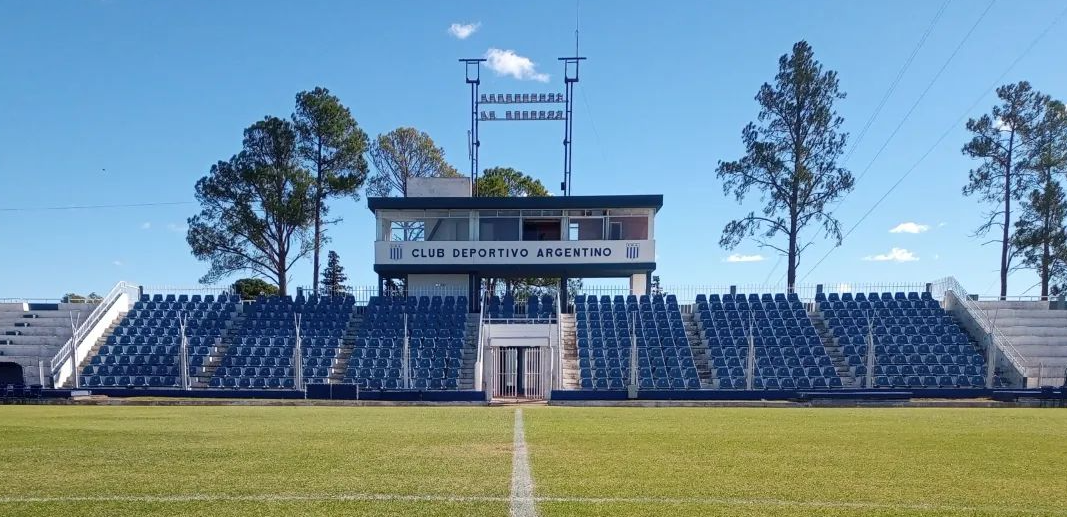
447	334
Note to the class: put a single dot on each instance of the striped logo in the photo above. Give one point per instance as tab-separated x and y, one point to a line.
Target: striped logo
396	252
633	250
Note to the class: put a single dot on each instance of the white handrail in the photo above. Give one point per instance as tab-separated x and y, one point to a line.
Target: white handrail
557	380
67	351
479	374
1002	342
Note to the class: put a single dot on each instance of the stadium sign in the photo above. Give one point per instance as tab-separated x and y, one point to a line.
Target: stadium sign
497	252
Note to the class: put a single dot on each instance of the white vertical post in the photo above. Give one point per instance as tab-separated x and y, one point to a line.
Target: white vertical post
750	362
406	356
183	351
990	361
870	350
634	381
40	372
298	356
74	347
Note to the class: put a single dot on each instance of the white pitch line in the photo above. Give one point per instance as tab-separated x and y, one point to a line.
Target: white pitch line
522	500
357	497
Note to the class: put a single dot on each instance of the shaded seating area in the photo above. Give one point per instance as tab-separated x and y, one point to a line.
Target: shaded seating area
434	328
606	329
916	343
262	352
787	349
144	349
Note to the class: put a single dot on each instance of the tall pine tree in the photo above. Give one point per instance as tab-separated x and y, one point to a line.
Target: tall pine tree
791	160
1004	174
1040	236
334	277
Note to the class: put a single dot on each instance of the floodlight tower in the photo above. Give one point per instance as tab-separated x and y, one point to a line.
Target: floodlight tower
474	79
539	100
570	78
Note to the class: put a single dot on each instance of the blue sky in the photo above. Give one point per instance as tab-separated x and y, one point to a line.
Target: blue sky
155	92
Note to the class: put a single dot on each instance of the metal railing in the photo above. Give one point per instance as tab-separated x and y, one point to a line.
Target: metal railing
944	286
479	361
69	349
557	356
686	294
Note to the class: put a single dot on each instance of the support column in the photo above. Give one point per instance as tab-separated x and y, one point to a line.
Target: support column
639	284
564	295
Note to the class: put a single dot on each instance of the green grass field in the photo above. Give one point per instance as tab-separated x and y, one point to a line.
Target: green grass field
265	461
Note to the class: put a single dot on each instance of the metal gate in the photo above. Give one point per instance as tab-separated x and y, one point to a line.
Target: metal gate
519	373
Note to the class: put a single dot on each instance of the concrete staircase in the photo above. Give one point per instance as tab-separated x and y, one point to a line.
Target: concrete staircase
470	352
344	352
1037	332
31	334
213	361
694	333
833	349
95	349
570	352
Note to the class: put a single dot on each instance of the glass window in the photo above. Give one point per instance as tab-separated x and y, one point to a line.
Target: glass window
448	230
408	231
628	228
498	229
590	228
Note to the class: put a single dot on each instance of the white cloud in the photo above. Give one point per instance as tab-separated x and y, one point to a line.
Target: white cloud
177	228
146	225
463	30
737	257
1001	125
894	255
910	228
507	62
117	263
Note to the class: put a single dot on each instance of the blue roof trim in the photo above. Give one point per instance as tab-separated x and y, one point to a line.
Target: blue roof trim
523	270
515	203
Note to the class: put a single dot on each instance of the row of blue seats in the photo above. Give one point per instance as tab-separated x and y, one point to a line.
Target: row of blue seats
257	382
307	342
132	331
140	381
603	383
288	333
910	330
884	314
174	309
158	350
622	342
880	307
320	371
774	383
915	359
962	381
769	351
827	372
761	361
888	349
416	372
885	297
399	310
162	340
396	383
196	298
643	372
906	370
112	370
172	316
642	362
855	337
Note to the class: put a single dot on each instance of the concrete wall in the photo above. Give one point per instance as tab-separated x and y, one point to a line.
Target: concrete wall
452	285
439	187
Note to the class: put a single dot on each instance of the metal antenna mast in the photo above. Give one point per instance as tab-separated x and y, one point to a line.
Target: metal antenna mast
474	79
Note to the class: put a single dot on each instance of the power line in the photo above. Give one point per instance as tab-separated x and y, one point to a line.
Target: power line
93	207
944	135
896	80
926	90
